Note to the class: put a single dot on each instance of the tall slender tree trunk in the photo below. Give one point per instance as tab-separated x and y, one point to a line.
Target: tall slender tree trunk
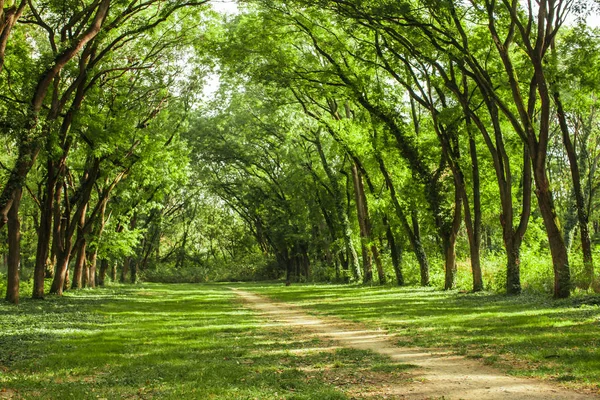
79	268
133	271
364	207
362	216
85	277
449	245
113	272
14	249
475	246
102	272
125	270
91	281
80	245
55	172
395	252
558	250
413	232
44	235
419	249
341	212
582	216
61	274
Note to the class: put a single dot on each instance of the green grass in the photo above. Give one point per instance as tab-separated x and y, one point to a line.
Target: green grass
170	342
528	335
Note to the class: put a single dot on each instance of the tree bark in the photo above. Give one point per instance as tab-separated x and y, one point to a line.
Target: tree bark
395	252
80	246
14	250
102	272
91	275
68	227
449	245
341	212
133	271
125	270
413	232
362	216
558	250
44	235
8	18
582	217
113	272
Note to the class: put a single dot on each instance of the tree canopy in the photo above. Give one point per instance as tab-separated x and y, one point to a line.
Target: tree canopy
449	143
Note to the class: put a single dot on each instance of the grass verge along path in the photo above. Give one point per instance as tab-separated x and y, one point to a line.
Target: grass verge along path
528	335
179	342
436	376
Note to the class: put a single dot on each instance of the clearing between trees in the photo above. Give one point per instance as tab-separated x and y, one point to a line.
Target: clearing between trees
190	341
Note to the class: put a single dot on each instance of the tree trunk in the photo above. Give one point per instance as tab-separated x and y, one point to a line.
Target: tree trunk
582	216
61	275
413	232
113	272
396	253
475	246
80	244
419	250
79	269
43	247
558	250
362	216
8	18
91	280
102	272
85	277
341	213
14	249
68	227
133	271
513	267
449	245
125	270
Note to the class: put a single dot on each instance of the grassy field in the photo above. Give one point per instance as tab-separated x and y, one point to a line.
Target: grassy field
529	335
170	342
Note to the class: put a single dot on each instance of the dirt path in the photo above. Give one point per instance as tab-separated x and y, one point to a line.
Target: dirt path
436	376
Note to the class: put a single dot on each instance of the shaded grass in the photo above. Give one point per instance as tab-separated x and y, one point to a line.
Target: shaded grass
528	335
169	342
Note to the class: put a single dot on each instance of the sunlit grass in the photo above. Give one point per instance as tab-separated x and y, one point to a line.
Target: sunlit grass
168	342
530	335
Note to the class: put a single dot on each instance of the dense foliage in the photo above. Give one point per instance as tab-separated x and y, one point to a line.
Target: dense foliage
434	143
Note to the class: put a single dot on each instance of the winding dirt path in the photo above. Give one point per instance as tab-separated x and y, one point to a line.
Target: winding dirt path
437	376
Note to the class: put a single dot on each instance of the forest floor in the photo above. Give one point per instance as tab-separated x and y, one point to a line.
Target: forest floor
434	374
189	341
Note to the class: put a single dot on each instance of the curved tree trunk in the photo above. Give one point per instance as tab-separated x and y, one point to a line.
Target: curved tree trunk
341	212
413	232
582	217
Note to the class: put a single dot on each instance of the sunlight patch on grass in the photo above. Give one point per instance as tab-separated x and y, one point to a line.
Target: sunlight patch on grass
529	335
164	341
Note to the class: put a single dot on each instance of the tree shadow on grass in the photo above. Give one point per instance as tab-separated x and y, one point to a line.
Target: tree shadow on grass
175	341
